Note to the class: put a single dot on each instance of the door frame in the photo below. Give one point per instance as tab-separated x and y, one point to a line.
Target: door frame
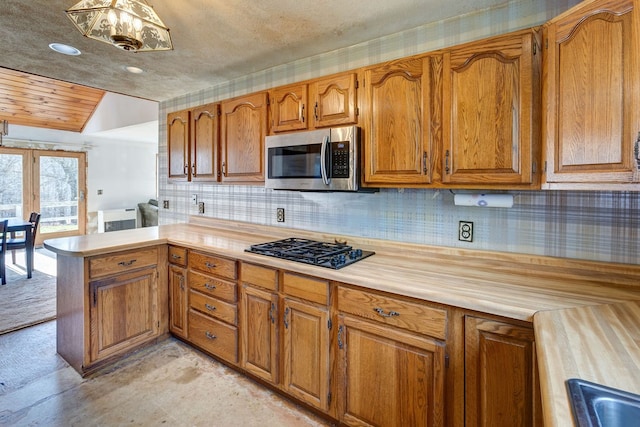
31	185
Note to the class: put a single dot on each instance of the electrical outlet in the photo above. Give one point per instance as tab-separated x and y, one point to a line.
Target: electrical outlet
201	207
280	214
194	199
465	231
165	204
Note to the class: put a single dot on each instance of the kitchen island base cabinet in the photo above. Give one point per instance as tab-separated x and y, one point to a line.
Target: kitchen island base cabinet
109	305
122	312
391	378
501	381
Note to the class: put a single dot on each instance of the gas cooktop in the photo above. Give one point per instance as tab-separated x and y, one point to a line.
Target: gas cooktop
330	255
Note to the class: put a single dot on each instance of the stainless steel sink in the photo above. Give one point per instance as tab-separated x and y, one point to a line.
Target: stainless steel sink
595	405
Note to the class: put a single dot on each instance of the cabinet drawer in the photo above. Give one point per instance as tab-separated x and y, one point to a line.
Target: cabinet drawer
304	287
213	336
211	264
260	276
119	262
178	255
213	287
213	307
394	311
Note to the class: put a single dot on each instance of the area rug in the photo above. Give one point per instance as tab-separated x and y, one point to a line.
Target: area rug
25	302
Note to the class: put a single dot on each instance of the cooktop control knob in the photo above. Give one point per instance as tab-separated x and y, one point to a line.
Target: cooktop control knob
356	253
338	260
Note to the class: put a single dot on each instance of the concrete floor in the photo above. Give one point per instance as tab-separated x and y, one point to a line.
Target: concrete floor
166	384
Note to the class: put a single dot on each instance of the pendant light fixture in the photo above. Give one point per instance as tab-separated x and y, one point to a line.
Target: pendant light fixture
130	25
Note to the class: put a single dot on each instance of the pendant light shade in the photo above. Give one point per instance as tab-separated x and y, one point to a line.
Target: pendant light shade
130	25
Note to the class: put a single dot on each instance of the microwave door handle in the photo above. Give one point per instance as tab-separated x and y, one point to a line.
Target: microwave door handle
323	161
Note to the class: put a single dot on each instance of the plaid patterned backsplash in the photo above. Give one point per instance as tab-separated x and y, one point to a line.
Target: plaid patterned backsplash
601	226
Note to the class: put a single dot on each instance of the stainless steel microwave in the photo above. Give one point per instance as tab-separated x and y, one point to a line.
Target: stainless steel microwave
318	160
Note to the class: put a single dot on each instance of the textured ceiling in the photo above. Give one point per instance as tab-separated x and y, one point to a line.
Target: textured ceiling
214	40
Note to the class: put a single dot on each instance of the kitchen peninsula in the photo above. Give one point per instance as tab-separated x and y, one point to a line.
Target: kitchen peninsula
464	319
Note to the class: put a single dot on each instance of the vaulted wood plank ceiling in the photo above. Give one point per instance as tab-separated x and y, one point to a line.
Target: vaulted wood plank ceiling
30	100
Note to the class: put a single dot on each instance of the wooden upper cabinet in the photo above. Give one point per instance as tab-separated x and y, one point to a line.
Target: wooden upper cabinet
178	145
395	113
289	108
204	143
490	110
334	100
243	129
591	96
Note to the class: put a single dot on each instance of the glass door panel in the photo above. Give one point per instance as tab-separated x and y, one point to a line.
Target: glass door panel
60	196
12	165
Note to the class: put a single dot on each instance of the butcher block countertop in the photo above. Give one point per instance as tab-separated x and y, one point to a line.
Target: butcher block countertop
586	314
600	344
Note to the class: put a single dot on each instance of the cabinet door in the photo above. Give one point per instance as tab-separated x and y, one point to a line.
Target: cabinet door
123	312
259	338
334	101
204	143
500	375
488	126
289	108
178	145
243	129
591	94
178	301
306	352
391	378
396	123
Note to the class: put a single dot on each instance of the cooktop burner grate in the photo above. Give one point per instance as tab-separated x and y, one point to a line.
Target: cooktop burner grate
330	255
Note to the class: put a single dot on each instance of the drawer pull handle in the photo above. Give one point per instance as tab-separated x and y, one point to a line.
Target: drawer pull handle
340	341
210	307
126	263
210	335
210	287
174	256
271	312
383	314
209	265
286	318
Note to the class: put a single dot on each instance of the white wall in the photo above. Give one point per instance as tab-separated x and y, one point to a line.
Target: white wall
124	171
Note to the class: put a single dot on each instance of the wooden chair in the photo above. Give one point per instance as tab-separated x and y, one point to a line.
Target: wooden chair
15	243
3	250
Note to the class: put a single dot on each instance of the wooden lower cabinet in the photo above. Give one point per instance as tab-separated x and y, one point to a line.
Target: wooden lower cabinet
178	303
285	332
259	311
390	377
501	379
123	312
306	353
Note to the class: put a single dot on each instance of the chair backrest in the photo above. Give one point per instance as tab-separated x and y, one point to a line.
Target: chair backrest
3	236
34	218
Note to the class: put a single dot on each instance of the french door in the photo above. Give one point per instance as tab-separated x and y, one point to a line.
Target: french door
50	182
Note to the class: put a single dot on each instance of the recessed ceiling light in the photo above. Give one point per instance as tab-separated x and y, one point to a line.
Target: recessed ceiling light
134	70
64	49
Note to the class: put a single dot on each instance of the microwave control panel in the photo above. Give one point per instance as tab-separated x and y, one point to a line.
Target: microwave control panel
340	159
